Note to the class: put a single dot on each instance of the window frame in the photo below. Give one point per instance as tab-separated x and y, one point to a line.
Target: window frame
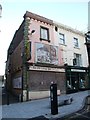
62	40
42	36
78	58
76	42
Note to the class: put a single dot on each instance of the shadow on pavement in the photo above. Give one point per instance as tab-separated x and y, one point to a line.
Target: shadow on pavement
9	99
36	118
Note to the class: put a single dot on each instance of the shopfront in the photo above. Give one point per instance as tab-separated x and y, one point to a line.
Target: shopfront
77	79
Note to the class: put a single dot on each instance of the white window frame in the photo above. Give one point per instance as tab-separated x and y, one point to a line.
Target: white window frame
78	58
76	44
62	38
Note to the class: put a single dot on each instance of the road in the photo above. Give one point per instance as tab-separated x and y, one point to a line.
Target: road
83	114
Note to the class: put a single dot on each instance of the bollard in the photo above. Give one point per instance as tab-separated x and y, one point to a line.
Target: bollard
53	98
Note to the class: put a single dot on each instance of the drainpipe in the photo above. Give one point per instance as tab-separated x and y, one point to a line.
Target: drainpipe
24	96
26	56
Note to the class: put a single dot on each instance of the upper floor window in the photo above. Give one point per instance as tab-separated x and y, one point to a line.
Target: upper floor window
77	61
76	42
61	38
44	33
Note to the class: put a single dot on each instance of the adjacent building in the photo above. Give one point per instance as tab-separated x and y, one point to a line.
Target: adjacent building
74	55
2	81
43	52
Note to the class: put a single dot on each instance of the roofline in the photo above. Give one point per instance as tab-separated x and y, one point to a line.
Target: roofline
38	17
52	22
68	28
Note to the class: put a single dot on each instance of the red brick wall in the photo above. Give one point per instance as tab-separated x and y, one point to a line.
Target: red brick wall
42	80
16	59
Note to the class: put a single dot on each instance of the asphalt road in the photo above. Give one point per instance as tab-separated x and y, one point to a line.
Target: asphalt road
83	114
78	116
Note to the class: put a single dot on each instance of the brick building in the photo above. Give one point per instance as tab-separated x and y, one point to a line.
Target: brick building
2	81
41	52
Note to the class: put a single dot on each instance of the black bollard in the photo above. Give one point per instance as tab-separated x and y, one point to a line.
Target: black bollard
7	97
53	98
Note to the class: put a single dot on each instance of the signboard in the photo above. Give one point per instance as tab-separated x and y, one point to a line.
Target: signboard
38	68
46	53
17	82
77	70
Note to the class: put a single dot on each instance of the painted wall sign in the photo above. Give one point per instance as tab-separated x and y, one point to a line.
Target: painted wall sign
17	82
46	53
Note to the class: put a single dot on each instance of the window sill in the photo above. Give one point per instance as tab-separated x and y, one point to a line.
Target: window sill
62	44
44	40
76	47
78	65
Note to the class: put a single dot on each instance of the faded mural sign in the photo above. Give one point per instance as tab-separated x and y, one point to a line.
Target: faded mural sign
46	53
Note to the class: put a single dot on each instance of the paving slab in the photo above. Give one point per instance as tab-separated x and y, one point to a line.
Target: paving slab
34	109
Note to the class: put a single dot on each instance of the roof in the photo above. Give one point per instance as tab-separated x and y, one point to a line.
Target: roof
38	17
68	28
51	22
18	36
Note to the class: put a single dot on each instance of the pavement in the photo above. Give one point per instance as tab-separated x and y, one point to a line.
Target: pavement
41	108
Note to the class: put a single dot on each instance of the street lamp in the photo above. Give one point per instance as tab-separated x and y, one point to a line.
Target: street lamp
0	10
87	37
32	32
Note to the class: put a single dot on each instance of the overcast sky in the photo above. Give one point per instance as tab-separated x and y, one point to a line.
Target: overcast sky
73	14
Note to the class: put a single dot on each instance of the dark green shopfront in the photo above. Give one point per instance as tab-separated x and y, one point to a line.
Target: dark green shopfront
77	79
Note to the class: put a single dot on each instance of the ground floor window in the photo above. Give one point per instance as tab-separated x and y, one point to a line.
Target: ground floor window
77	79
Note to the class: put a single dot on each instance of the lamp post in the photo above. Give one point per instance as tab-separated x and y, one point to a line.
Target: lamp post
87	37
0	10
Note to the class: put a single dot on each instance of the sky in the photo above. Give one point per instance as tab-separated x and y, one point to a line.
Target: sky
71	13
